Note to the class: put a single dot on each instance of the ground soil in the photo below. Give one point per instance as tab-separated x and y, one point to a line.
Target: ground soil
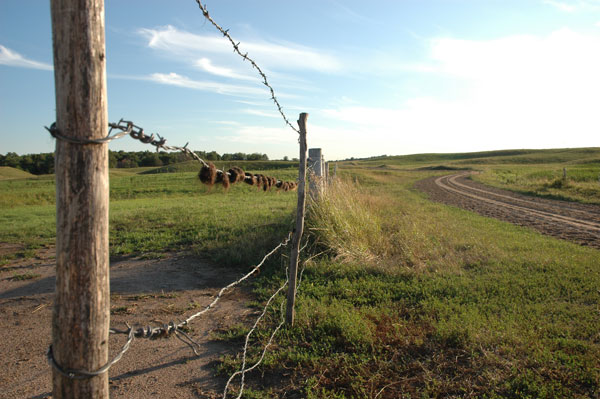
143	292
571	221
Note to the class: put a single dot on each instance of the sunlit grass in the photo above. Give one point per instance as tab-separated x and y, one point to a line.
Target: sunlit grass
446	303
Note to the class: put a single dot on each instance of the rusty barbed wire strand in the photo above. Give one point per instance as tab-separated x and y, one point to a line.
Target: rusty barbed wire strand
245	57
208	168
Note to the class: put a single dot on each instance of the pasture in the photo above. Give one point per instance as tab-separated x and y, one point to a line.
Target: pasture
409	298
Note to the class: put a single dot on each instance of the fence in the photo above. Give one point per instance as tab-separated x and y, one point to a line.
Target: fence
79	350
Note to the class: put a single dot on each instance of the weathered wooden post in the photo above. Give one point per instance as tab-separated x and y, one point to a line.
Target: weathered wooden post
300	209
82	304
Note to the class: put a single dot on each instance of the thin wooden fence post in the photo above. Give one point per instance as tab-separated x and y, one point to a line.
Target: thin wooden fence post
81	315
300	209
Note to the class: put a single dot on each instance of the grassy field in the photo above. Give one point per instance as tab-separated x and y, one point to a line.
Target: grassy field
533	172
411	298
417	300
154	213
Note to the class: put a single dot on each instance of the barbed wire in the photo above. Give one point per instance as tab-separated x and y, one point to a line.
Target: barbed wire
208	174
282	244
245	57
79	374
258	319
244	370
157	332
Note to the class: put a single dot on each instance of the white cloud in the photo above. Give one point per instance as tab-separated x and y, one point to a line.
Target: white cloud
258	112
521	92
174	79
573	5
252	134
281	56
12	58
568	7
206	65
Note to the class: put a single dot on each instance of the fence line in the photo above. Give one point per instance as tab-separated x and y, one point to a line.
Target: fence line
208	174
156	332
212	175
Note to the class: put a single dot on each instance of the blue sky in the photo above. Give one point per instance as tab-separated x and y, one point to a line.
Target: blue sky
378	77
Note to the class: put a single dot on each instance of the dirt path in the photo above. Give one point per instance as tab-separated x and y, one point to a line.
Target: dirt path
142	292
575	222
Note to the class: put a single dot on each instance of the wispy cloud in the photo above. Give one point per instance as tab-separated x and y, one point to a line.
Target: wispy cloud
207	66
258	112
280	55
174	79
567	7
262	134
573	5
12	58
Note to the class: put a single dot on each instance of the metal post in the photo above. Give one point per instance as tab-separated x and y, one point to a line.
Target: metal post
316	172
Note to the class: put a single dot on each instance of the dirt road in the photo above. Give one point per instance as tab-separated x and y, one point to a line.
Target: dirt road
143	292
575	222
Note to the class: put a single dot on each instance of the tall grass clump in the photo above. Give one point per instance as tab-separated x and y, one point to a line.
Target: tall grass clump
361	224
344	220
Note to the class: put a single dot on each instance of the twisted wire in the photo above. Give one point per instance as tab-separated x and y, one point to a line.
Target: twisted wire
79	374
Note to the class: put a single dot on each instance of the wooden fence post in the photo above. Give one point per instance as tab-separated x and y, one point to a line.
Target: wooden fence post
82	303
295	253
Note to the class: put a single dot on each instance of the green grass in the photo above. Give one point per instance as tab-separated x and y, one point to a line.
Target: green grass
547	180
151	214
426	300
6	172
24	276
531	172
410	299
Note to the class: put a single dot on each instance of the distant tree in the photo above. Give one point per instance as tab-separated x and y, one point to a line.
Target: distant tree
150	159
285	158
167	158
11	159
239	156
126	163
255	156
226	157
213	156
112	159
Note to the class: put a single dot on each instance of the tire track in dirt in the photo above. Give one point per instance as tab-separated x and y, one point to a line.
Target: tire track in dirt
575	222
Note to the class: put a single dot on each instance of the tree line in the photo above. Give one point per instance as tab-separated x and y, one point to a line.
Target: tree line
41	164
